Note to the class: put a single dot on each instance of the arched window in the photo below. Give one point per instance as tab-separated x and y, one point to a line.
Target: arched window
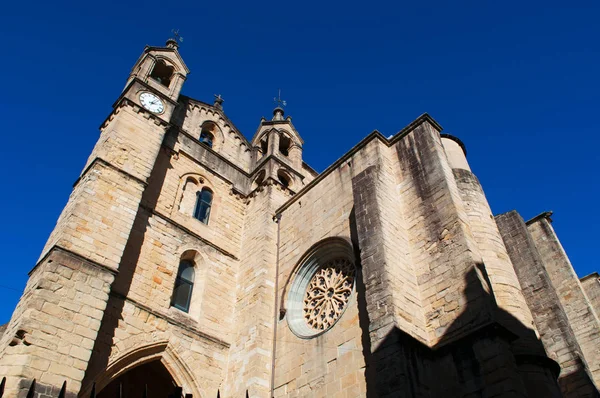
206	138
208	132
264	146
203	204
284	179
184	284
162	72
284	145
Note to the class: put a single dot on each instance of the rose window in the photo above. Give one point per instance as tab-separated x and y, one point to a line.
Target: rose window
327	294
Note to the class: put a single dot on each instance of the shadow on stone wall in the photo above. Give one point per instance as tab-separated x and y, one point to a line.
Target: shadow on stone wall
478	364
501	357
578	383
122	284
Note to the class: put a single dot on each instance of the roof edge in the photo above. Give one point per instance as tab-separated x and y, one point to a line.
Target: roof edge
592	275
546	215
374	134
457	140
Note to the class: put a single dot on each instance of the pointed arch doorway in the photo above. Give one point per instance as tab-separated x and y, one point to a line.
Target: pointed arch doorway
151	375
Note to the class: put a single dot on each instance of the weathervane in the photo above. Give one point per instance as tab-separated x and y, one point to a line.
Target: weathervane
178	37
278	101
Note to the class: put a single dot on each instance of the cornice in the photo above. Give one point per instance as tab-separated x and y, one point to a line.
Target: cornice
249	175
269	181
148	87
172	320
362	143
413	125
164	217
457	140
99	160
310	169
210	150
220	112
545	215
123	102
149	48
273	123
79	257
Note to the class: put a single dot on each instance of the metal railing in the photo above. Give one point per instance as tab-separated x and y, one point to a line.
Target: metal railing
31	393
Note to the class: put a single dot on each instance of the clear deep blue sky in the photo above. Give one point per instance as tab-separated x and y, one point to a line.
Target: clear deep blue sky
518	82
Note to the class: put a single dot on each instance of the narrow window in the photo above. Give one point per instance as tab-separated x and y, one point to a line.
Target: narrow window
203	204
184	284
206	138
264	147
284	145
162	73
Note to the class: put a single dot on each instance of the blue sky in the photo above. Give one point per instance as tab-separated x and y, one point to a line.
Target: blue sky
518	82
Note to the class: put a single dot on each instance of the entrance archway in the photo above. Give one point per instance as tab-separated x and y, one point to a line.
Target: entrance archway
151	375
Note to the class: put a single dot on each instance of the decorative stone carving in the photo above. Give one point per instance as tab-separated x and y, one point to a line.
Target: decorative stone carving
322	288
328	293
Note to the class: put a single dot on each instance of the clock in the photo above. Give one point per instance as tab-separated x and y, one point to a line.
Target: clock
152	102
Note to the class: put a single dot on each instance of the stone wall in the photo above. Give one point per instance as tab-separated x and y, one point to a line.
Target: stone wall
548	313
225	225
331	364
52	331
591	286
437	308
443	249
250	358
582	318
97	220
228	142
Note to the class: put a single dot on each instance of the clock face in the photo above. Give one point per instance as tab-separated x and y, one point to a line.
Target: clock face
152	102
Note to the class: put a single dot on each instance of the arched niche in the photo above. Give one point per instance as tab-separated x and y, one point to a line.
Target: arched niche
189	187
258	180
285	178
211	134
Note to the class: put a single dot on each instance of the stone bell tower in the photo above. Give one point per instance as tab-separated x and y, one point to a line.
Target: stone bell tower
277	148
54	327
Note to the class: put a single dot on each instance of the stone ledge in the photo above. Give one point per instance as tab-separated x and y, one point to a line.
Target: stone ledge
111	166
79	257
155	212
546	215
172	320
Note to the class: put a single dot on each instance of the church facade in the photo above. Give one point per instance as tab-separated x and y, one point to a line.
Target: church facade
190	256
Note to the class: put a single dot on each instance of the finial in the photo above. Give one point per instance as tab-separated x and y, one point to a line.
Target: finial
219	101
278	111
278	101
173	42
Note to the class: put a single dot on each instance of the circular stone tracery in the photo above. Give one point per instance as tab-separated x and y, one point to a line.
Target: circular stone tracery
327	294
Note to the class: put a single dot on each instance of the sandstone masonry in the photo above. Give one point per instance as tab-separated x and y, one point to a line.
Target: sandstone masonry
189	255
